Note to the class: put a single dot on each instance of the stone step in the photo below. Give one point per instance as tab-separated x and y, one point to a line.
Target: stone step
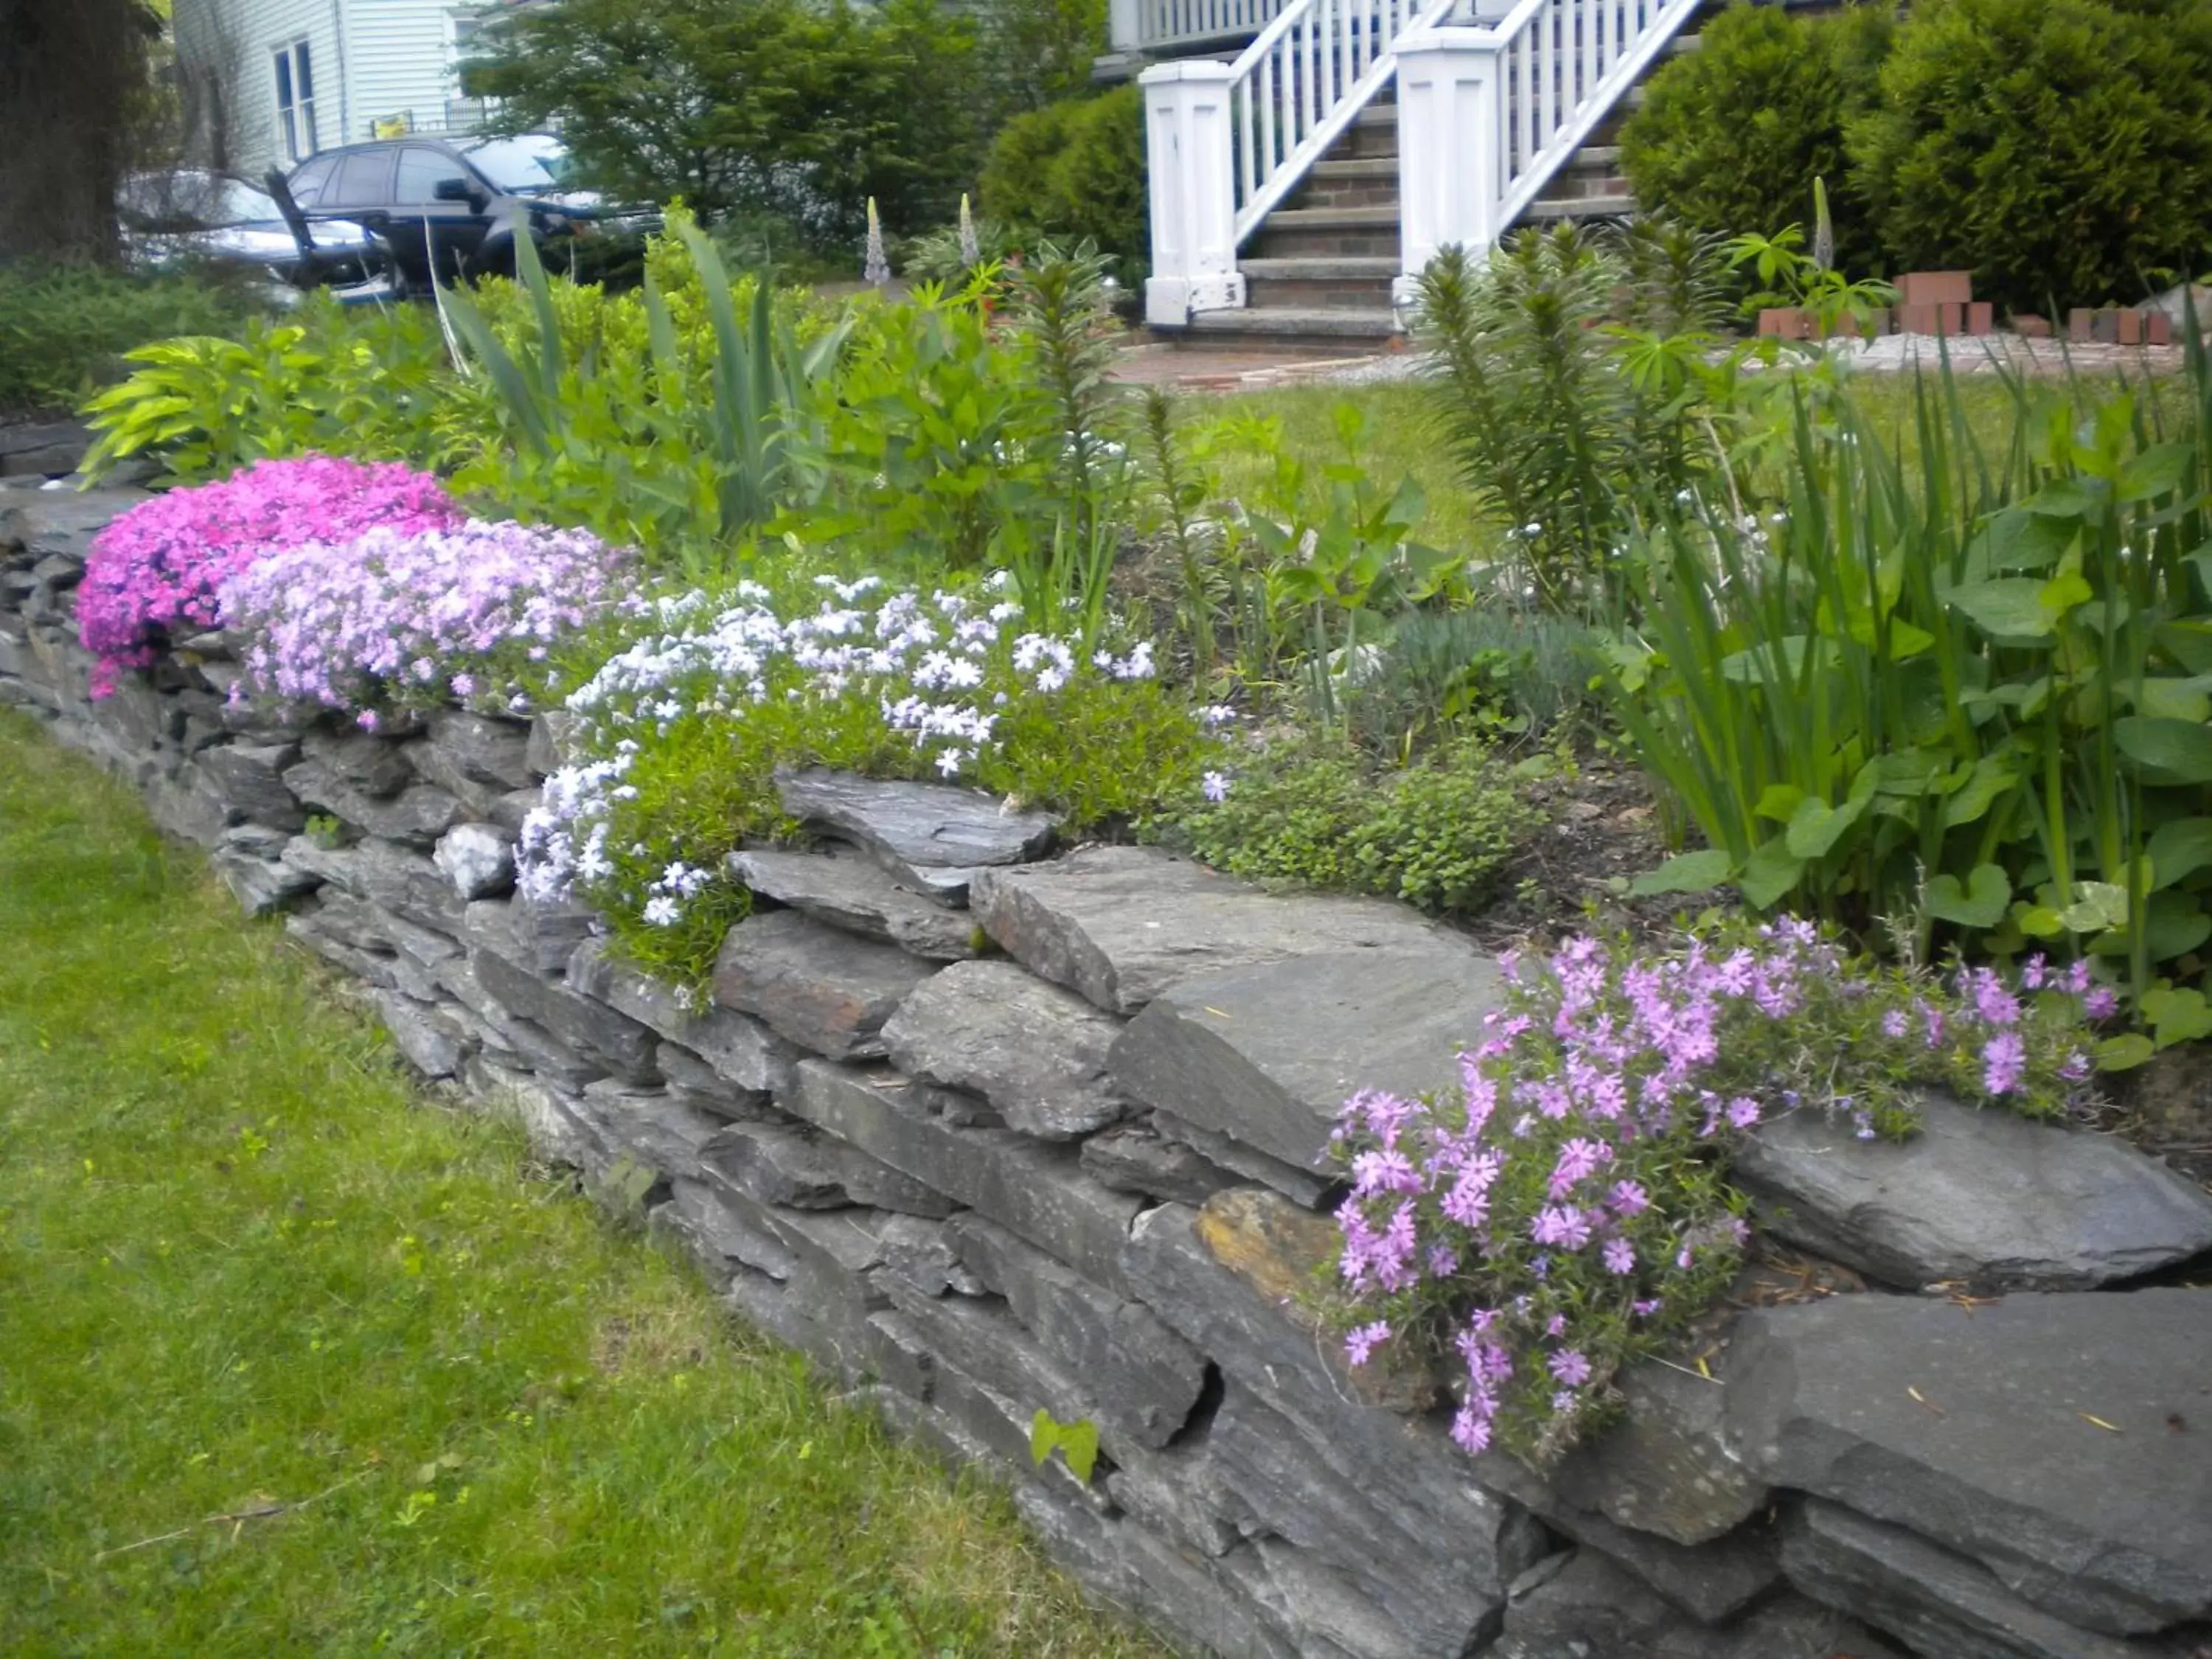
1364	167
1346	330
1320	269
1580	207
1341	219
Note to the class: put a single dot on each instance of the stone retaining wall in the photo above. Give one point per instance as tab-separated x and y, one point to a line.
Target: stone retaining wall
984	1129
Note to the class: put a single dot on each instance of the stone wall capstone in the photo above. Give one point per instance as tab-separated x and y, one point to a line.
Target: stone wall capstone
985	1126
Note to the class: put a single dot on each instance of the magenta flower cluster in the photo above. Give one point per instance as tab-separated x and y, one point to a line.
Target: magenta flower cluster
396	619
1566	1210
156	571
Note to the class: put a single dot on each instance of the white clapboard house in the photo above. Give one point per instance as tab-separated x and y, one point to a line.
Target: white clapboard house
276	81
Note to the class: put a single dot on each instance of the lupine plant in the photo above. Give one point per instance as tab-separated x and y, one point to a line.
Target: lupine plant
679	734
156	571
1566	1209
394	619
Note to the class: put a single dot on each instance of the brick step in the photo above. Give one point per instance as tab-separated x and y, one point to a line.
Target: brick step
1331	285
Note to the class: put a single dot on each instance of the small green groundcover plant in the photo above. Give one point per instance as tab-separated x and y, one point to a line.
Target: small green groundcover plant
1567	1211
680	732
1436	834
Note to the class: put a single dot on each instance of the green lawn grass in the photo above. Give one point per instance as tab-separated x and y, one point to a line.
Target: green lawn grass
293	1362
1401	440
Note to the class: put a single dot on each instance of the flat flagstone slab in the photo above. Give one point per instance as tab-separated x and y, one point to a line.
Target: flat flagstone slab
2062	1441
1986	1198
1120	924
1267	1054
929	834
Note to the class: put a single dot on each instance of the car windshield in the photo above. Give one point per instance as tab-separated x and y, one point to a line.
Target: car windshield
522	166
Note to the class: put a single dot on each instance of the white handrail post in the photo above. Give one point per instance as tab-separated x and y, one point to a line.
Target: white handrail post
1192	164
1451	130
1125	26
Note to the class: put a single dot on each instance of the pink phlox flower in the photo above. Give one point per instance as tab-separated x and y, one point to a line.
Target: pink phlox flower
1560	1225
1361	1342
1743	1112
2005	1062
2100	1003
1996	1005
1628	1198
1570	1366
1387	1170
1578	1160
1619	1256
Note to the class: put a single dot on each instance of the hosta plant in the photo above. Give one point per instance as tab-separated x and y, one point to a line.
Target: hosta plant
1566	1209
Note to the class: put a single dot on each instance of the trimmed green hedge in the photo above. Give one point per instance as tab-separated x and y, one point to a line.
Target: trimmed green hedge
1731	136
1073	170
2061	150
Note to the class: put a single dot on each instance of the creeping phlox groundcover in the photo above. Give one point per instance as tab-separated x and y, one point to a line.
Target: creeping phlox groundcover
1568	1210
156	572
680	732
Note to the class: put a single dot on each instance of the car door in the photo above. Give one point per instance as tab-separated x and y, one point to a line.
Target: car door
425	192
360	189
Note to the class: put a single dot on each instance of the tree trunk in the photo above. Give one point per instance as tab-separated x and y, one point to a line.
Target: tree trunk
72	74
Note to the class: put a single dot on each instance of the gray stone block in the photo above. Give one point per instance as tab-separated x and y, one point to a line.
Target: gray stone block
1254	1336
249	779
741	1051
1147	1380
406	884
1669	1466
857	895
703	1086
822	989
415	817
1268	1054
257	877
930	836
1038	1192
485	750
797	1166
1981	1429
1419	1579
1036	1052
1248	1164
655	1127
927	1255
1588	1608
581	1023
374	765
478	860
1176	1591
1135	1158
1120	925
1984	1198
1934	1601
427	1046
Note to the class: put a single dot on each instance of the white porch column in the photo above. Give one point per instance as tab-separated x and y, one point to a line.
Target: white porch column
1192	191
1124	27
1451	140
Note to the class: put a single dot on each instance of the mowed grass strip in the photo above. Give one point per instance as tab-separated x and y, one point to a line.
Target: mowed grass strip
293	1362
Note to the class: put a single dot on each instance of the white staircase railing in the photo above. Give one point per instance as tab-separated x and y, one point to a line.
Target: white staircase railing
1225	143
1303	82
1488	114
1163	24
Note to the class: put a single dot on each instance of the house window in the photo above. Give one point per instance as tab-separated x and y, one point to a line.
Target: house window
295	101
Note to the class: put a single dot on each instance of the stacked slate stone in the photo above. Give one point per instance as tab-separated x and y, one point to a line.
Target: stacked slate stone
987	1126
